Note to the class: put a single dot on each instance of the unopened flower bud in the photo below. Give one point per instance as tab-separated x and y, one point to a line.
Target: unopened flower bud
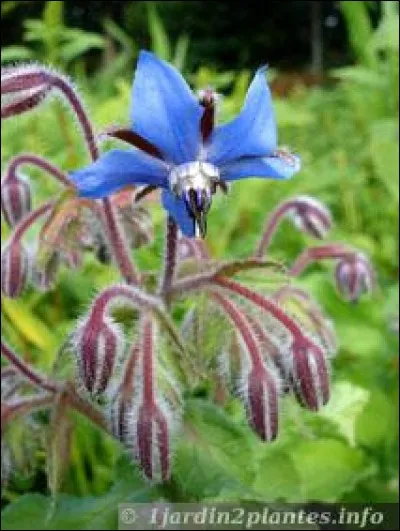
123	395
16	200
354	276
99	343
23	88
14	269
310	374
310	216
152	441
261	400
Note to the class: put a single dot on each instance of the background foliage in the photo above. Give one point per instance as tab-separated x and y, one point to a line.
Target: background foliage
346	130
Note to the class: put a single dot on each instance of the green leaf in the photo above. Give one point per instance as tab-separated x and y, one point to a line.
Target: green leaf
6	8
386	36
384	151
160	43
277	478
328	468
35	511
53	14
344	408
361	75
359	28
214	455
30	327
15	53
81	44
181	50
375	424
119	35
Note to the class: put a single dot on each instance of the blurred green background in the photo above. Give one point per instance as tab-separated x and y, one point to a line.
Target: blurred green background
334	75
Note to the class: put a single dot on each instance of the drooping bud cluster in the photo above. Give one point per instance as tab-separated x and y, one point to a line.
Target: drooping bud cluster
354	276
99	344
16	200
303	368
15	269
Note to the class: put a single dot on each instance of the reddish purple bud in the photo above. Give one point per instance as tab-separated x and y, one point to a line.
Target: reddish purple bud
153	442
261	400
310	216
15	268
354	276
151	425
121	401
16	200
99	343
23	88
310	374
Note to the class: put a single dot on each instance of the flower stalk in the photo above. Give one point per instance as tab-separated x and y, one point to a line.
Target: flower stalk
170	258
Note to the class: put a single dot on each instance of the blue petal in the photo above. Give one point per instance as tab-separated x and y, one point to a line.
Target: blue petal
116	169
175	206
274	167
252	133
164	110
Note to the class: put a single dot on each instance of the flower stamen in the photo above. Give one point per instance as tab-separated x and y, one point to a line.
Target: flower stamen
196	182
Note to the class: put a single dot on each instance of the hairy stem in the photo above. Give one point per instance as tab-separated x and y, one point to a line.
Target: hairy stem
28	220
38	162
170	256
148	362
263	302
271	226
27	371
24	406
61	84
118	244
254	297
241	324
140	300
113	229
228	268
313	254
85	408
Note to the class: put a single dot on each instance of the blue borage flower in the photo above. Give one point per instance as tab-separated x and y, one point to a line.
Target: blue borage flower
179	150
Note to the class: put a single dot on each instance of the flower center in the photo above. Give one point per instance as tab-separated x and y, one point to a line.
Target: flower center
195	183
